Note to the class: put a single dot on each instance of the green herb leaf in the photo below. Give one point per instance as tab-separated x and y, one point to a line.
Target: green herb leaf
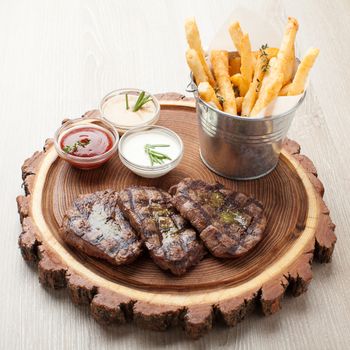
142	100
155	156
236	90
264	58
72	149
67	149
220	98
126	101
258	85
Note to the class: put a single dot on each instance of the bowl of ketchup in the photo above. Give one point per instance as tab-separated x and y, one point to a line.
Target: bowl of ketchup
86	143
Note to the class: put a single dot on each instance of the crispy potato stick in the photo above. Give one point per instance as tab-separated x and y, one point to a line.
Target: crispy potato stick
302	73
238	81
246	62
219	62
196	67
242	43
261	67
272	83
289	70
271	68
236	35
284	90
281	63
239	101
269	95
272	51
286	50
207	93
254	59
266	79
234	65
194	42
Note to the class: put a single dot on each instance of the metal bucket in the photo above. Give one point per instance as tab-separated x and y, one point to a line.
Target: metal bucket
241	148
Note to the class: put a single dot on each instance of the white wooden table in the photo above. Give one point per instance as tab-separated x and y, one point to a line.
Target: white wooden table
58	58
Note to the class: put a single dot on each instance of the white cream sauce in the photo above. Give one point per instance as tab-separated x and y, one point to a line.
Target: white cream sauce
133	147
114	109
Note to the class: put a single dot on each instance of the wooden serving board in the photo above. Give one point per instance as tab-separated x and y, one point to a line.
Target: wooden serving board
299	229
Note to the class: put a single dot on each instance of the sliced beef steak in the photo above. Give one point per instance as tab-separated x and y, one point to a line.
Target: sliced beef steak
172	244
95	225
230	223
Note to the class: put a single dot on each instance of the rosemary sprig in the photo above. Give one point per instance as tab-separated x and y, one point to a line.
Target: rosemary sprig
72	149
236	90
126	101
264	58
142	99
220	98
258	85
155	156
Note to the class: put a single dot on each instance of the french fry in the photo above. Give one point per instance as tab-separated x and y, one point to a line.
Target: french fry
236	35
238	82
196	67
235	62
234	65
246	61
242	43
272	83
284	90
289	69
286	50
272	51
262	65
194	42
298	84
219	62
267	76
207	93
268	96
239	101
280	64
254	59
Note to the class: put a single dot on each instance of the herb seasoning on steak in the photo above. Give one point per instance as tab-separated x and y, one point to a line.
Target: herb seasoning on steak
95	225
230	223
172	244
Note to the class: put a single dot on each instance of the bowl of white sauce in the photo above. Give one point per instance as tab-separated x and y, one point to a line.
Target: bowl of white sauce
130	108
150	151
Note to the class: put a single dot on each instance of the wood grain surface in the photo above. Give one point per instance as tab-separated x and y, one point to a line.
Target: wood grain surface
59	58
298	230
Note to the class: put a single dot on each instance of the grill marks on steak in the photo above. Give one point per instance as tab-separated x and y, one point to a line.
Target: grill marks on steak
171	242
95	225
230	223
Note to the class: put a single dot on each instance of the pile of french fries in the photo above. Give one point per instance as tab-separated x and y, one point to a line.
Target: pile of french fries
245	82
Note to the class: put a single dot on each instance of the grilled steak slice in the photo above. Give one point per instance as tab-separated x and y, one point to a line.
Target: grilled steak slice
95	225
172	244
230	223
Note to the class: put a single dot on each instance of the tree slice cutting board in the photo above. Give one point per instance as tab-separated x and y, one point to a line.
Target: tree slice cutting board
299	228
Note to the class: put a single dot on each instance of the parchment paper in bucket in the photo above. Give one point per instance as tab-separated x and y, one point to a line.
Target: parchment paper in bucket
260	32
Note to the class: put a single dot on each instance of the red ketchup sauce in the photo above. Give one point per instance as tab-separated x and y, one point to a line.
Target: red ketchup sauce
86	142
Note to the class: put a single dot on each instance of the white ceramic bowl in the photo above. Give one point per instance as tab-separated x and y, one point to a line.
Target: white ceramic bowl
122	128
149	171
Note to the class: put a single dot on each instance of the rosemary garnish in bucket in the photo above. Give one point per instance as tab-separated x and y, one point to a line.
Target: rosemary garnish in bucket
220	98
142	99
155	156
236	90
258	85
264	58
